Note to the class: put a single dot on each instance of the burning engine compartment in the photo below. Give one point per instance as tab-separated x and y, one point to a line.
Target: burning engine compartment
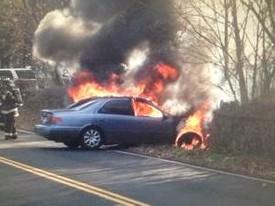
125	48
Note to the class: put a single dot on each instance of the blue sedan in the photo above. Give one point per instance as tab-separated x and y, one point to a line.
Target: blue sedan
108	120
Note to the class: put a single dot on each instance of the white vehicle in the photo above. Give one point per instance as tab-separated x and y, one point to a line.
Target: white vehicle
24	78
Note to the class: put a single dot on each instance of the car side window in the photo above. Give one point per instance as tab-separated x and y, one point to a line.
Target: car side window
121	107
143	109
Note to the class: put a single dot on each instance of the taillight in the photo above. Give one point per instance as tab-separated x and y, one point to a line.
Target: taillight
49	118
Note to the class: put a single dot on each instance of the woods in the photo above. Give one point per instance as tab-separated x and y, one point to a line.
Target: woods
238	37
20	19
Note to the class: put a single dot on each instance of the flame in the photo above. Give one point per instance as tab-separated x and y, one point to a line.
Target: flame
146	110
152	86
193	128
194	143
86	85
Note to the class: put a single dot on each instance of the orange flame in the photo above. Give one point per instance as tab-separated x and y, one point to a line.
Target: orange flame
194	127
87	86
151	87
146	110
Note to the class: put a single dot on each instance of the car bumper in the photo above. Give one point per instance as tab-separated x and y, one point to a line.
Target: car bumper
57	133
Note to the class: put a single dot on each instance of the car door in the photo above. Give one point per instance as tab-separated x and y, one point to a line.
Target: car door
118	121
153	126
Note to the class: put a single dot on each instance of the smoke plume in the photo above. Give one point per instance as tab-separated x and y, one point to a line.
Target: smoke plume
101	35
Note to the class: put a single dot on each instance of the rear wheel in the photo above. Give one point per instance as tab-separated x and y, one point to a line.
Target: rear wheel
91	138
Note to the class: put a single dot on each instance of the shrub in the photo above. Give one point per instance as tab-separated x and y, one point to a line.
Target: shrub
246	129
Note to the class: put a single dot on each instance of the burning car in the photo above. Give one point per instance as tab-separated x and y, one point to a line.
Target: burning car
108	120
129	52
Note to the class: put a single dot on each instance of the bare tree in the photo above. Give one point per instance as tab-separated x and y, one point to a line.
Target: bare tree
264	10
239	53
227	29
19	19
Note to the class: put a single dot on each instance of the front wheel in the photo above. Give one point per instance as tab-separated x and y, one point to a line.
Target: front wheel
91	138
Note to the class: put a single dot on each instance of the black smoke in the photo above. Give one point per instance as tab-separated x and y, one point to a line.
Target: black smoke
99	11
99	34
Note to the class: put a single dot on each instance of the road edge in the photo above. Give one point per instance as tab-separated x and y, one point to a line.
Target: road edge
258	179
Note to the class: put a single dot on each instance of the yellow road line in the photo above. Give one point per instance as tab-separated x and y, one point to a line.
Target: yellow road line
116	198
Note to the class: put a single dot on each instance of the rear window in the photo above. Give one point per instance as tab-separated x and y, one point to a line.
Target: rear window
6	74
84	105
25	74
79	103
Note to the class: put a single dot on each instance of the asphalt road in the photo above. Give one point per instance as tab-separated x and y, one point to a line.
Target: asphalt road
34	171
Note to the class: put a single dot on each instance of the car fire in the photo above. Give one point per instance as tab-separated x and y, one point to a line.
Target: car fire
191	132
85	84
130	51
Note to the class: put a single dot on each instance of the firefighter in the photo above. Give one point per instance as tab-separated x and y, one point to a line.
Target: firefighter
10	99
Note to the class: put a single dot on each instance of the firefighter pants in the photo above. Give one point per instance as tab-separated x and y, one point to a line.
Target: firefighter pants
9	125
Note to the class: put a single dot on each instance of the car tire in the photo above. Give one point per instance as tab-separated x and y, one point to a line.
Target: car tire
91	138
72	145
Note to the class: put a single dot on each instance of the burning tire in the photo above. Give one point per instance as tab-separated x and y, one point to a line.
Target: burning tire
189	141
91	138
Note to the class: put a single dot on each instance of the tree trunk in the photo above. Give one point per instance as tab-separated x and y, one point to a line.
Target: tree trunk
255	67
239	55
225	49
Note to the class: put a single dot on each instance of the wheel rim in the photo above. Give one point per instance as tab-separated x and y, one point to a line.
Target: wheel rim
92	138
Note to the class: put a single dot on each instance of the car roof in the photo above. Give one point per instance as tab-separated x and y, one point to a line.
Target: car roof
86	100
106	98
115	97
